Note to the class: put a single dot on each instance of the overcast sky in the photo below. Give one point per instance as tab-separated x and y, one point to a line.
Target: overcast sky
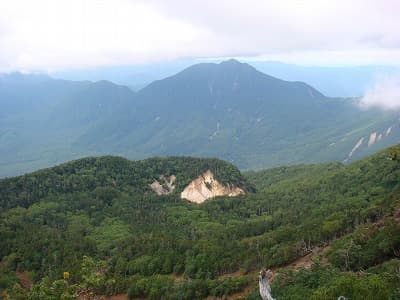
48	35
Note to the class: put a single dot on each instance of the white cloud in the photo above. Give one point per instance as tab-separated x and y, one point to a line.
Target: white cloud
385	93
60	34
57	34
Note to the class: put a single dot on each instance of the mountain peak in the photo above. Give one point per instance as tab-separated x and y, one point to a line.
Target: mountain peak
231	82
230	65
231	61
235	64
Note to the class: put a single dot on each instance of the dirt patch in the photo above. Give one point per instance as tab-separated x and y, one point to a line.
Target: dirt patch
24	279
240	294
305	261
175	276
237	295
102	297
398	214
117	297
230	275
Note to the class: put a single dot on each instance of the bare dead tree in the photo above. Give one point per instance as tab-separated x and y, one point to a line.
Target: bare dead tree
263	280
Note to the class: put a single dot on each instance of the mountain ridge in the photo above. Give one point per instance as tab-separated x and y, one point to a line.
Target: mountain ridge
228	110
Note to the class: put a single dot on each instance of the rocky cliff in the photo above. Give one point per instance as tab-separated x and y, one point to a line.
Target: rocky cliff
206	186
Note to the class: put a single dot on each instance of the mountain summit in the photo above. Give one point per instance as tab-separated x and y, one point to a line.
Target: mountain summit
230	84
232	111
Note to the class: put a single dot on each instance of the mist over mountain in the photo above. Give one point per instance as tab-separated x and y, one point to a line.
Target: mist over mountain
228	110
350	81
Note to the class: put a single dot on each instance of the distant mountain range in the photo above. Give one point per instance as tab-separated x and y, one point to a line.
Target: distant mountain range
227	110
339	81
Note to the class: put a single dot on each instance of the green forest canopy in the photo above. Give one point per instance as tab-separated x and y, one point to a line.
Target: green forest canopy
96	219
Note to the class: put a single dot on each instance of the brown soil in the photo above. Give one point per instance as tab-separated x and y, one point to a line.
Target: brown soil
305	261
240	294
237	295
117	297
229	275
175	276
24	279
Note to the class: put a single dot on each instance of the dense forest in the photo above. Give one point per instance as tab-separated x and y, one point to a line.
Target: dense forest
94	227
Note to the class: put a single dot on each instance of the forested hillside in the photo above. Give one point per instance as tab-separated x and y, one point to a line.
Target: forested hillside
112	173
94	226
228	110
41	117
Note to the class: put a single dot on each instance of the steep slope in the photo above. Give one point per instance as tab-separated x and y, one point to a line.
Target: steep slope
42	117
232	111
206	186
207	108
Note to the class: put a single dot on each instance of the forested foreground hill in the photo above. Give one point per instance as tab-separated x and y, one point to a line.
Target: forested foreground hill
93	227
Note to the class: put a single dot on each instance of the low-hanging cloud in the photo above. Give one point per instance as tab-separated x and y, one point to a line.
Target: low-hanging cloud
384	93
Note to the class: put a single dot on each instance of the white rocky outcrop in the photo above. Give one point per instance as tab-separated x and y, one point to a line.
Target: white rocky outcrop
372	139
166	187
359	143
206	186
388	131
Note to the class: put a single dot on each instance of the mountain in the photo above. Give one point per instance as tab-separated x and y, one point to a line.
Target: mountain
338	81
95	226
134	76
232	111
204	109
227	110
41	117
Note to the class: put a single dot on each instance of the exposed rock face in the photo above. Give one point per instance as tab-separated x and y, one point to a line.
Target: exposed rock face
372	139
359	143
263	281
206	186
388	131
166	187
356	146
